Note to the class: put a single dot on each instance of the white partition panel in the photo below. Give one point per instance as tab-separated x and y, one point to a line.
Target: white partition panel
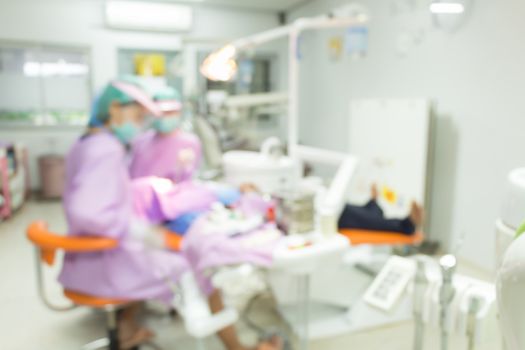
392	138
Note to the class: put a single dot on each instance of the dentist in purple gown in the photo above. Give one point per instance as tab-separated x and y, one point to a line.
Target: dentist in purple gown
97	201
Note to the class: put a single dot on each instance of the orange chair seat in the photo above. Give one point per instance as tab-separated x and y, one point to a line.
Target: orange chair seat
91	301
357	237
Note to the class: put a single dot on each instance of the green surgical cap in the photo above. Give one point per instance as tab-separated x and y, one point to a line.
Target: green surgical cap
112	93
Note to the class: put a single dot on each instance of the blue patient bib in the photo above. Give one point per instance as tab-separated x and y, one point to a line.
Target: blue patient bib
182	223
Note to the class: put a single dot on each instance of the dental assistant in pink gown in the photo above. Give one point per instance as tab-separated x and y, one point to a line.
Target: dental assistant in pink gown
166	151
169	153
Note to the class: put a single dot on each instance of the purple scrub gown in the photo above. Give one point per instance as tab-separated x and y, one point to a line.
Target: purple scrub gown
157	200
205	246
98	201
160	156
175	156
210	248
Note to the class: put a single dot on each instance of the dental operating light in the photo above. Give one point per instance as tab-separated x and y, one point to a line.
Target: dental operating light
220	65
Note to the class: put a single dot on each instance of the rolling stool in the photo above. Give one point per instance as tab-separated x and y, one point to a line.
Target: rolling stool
46	244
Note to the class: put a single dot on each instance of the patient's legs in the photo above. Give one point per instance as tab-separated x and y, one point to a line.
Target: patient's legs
371	217
229	336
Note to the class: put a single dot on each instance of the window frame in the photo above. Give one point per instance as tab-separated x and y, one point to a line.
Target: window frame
39	47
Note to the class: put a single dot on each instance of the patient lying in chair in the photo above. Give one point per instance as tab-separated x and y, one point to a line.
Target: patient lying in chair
179	206
368	217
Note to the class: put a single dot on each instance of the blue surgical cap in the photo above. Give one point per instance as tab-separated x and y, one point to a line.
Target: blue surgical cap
94	122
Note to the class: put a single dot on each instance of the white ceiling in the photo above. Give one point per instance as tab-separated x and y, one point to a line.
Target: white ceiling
266	5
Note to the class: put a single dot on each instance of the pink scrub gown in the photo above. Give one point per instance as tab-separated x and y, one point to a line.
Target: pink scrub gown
156	200
206	247
175	156
98	201
159	156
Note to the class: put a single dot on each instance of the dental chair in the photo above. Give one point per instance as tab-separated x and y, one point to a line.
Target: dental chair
46	246
199	322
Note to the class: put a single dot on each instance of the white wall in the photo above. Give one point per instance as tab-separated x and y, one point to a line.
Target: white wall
475	78
80	23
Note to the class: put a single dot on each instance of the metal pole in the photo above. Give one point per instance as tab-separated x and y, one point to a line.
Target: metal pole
420	286
41	287
448	265
293	92
419	329
474	306
112	324
201	345
303	312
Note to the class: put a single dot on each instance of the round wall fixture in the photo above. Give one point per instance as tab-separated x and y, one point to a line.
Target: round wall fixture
449	15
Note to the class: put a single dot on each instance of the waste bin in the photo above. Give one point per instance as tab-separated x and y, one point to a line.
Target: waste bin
52	175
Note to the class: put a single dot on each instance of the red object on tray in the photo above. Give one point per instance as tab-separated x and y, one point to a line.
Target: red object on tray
5	203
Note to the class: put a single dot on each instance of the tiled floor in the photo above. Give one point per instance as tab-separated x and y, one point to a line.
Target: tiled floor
26	324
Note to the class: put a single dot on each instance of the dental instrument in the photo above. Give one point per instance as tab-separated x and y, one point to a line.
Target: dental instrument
420	287
448	265
474	307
